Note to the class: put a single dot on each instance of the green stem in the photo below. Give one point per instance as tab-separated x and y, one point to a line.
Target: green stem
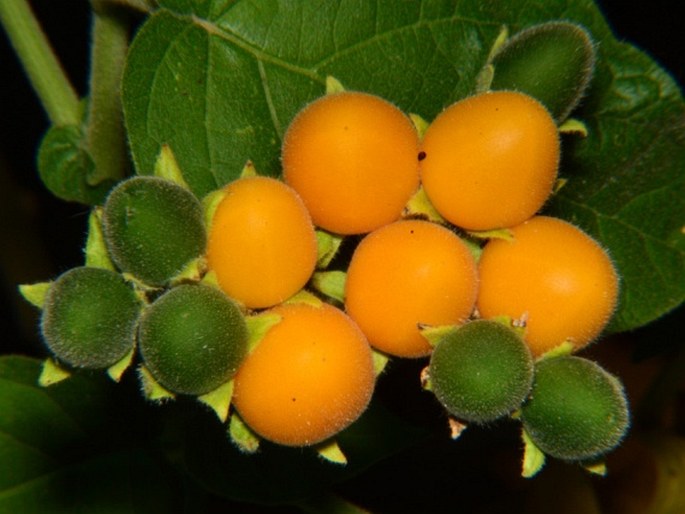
105	136
40	62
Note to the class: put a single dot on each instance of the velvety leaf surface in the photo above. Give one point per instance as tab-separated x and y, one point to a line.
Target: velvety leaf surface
220	80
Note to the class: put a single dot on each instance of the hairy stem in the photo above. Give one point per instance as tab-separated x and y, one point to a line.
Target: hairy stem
40	62
105	135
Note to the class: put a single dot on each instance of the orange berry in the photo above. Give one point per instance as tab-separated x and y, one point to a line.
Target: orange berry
262	244
308	378
353	158
407	274
490	160
553	276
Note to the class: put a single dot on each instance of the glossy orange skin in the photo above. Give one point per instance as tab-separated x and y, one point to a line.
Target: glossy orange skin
553	276
409	273
262	244
309	377
353	158
490	160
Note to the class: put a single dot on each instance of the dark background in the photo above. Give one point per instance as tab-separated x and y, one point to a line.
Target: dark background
42	236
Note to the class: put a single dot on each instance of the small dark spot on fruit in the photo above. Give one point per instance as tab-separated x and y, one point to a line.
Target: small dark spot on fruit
422	156
294	399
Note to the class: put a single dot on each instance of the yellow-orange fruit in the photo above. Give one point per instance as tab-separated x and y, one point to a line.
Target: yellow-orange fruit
308	378
554	277
262	244
407	274
353	158
490	160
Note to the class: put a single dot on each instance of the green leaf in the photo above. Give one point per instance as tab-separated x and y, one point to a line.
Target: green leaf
65	166
626	185
63	452
219	81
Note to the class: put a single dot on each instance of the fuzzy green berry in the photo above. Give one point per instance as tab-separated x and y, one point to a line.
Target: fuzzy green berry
481	371
153	228
89	317
192	339
576	410
552	62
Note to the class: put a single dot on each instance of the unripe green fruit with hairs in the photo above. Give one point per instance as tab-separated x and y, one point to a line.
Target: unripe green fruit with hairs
89	317
192	339
576	409
153	228
552	62
481	371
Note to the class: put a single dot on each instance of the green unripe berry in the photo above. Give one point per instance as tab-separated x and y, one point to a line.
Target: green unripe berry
153	228
481	371
576	410
192	339
89	317
552	62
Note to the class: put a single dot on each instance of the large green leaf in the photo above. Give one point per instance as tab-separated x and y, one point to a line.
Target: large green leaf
219	81
63	450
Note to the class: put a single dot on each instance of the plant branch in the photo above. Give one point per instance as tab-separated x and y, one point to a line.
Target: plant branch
105	135
44	71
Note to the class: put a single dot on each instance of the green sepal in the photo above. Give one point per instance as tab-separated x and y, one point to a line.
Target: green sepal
151	389
51	373
241	435
96	253
487	73
419	206
517	325
596	468
258	326
333	85
327	246
219	400
192	272
209	279
35	293
420	124
434	334
330	283
565	348
558	185
116	371
533	457
304	296
484	78
501	39
167	167
574	126
498	233
209	206
249	170
380	360
330	451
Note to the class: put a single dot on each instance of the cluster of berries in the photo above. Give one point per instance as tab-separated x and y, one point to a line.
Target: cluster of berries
244	297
